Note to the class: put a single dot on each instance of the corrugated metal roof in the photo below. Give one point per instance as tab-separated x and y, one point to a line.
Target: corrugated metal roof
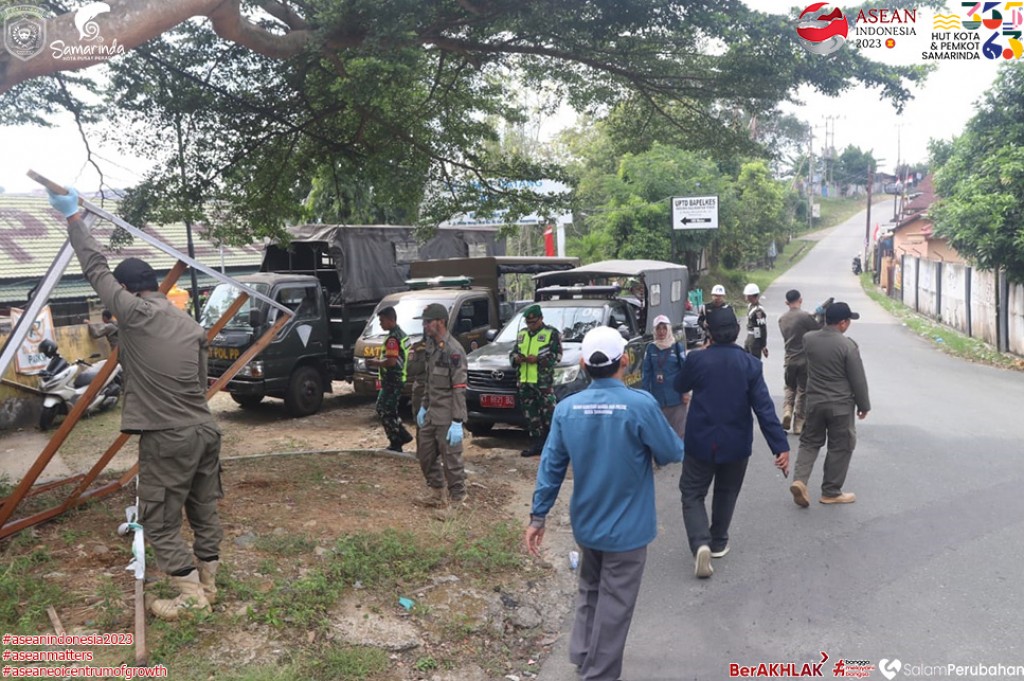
31	234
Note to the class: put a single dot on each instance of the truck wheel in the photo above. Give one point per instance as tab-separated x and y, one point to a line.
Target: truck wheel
247	401
305	392
47	417
481	428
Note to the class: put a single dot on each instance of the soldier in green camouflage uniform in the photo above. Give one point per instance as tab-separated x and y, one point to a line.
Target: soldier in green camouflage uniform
392	366
538	351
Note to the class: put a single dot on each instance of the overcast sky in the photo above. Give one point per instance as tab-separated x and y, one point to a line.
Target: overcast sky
940	109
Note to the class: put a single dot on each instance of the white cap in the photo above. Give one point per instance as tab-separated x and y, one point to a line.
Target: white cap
718	290
751	290
662	319
606	340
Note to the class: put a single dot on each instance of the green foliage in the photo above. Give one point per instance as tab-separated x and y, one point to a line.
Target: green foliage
348	663
286	544
392	109
982	184
853	165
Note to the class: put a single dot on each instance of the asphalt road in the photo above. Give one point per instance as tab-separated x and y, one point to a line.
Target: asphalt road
924	568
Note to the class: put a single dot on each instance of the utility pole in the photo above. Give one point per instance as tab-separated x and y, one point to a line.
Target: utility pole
896	184
867	225
810	179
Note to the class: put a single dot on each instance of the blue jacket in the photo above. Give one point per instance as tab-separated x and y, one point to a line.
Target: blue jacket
668	363
612	435
727	383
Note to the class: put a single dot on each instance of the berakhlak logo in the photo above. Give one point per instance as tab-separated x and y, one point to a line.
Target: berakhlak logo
823	28
24	31
889	668
87	28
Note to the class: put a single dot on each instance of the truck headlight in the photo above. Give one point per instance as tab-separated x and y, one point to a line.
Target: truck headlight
567	374
360	364
253	369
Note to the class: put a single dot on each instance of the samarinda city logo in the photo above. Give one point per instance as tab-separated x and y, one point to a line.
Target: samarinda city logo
24	30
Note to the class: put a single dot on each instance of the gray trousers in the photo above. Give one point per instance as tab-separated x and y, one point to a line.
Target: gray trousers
694	483
608	587
180	468
441	463
835	424
796	389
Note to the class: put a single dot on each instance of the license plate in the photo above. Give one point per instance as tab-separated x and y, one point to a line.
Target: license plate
219	352
498	401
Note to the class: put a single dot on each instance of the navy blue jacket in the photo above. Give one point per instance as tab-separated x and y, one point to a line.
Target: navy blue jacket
727	383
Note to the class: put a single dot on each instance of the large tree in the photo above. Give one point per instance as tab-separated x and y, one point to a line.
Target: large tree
982	182
402	99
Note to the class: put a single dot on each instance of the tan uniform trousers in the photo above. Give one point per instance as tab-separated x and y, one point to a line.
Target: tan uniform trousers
440	462
180	468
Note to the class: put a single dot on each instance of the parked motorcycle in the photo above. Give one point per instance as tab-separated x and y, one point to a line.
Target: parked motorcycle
64	383
855	265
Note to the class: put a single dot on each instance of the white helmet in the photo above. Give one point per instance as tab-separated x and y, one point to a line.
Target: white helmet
718	290
751	290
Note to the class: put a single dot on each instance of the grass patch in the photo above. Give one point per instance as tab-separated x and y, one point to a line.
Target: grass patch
381	561
23	594
348	663
288	545
945	338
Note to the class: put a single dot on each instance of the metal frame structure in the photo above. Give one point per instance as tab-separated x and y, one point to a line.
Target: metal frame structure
81	491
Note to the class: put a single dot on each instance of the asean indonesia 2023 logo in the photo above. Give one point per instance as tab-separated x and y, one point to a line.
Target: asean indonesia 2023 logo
822	28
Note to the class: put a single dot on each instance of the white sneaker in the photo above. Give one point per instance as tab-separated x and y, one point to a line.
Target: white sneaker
702	563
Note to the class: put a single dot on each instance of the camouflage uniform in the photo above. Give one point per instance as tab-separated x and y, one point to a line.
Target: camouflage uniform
757	330
392	379
536	381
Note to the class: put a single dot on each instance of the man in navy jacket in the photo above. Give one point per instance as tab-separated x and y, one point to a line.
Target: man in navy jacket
613	435
727	383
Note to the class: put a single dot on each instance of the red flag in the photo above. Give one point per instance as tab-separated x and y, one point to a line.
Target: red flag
874	237
549	241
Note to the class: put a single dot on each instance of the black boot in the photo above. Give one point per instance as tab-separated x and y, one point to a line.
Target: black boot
405	437
394	446
535	448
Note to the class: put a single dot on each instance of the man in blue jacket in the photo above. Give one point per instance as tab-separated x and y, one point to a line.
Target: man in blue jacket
613	435
727	383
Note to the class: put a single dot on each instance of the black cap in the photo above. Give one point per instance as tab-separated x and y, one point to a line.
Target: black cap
837	312
721	318
792	295
136	275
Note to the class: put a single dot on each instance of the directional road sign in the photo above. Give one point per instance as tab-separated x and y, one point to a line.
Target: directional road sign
695	212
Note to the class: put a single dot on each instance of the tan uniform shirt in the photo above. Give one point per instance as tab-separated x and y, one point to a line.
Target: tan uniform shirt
162	349
793	325
835	372
418	372
104	330
445	398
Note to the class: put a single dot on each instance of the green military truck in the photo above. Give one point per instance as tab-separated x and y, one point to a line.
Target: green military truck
332	277
478	293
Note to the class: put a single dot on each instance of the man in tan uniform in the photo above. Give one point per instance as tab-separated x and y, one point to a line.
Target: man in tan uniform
836	389
163	353
793	325
443	410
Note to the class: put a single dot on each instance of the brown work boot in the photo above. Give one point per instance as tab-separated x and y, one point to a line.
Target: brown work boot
434	498
798	425
787	418
190	600
844	498
208	578
800	496
456	504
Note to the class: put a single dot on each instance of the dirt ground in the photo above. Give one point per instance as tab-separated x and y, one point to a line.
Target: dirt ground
293	487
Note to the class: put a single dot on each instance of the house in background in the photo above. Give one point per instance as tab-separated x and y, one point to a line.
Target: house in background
914	234
32	233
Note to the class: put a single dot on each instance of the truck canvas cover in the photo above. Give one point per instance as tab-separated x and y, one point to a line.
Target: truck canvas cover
368	262
666	284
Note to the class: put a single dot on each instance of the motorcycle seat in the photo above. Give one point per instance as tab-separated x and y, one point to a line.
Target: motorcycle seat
85	376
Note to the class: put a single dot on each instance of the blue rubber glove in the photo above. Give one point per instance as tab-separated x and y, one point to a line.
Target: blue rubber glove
65	204
455	434
819	310
421	417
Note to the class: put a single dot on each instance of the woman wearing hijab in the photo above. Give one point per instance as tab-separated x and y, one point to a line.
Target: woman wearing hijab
662	362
